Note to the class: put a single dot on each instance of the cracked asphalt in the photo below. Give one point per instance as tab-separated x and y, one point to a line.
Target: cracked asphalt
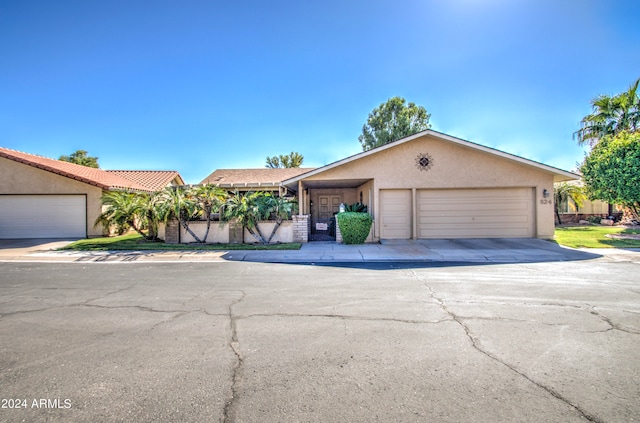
357	342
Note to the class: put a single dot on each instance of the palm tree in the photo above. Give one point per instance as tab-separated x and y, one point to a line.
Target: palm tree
611	115
179	203
563	192
209	199
294	159
280	208
248	209
125	209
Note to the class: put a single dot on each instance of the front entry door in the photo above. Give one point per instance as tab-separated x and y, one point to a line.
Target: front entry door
323	224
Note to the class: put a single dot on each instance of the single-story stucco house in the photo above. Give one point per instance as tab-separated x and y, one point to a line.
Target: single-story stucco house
428	185
47	198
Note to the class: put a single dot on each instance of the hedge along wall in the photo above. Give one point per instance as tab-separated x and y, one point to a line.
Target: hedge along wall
218	234
284	234
370	239
354	227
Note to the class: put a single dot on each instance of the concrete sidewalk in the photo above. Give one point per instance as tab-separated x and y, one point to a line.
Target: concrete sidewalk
435	250
498	250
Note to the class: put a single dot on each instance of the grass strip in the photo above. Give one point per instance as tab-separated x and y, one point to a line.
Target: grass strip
595	237
135	242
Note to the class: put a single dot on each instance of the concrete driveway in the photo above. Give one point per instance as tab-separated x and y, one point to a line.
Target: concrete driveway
360	342
13	248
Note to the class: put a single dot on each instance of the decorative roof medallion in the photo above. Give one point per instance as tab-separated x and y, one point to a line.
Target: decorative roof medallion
424	161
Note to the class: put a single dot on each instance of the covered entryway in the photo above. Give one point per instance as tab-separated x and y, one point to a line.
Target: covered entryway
323	217
476	213
43	216
395	214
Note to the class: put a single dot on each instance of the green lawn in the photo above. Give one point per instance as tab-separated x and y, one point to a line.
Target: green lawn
594	237
134	242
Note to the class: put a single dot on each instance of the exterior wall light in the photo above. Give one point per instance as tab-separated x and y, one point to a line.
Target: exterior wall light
545	193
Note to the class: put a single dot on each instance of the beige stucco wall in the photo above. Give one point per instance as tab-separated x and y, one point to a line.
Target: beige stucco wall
453	166
18	178
284	233
218	232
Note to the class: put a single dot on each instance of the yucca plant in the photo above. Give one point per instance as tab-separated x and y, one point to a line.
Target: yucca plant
355	208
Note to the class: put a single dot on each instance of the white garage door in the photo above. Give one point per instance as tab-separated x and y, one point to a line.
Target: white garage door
43	216
476	213
395	214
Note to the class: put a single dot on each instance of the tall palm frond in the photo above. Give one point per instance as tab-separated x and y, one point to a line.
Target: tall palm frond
611	115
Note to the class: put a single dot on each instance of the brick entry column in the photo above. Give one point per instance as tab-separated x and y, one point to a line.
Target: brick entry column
301	224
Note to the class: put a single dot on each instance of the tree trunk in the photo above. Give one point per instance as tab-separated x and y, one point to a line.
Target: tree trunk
257	236
153	228
185	225
206	233
275	229
135	228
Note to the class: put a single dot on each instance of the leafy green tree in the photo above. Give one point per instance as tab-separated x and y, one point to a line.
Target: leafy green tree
392	121
611	115
563	192
293	159
81	157
611	171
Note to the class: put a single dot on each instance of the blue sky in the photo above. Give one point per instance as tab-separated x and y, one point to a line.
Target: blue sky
198	85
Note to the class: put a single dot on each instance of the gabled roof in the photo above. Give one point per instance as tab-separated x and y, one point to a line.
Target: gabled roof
262	177
88	175
153	179
559	174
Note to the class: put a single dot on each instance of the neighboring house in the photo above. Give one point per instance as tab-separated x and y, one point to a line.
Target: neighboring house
155	180
243	180
428	185
47	198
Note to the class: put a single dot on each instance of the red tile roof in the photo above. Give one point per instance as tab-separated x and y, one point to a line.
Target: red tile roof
262	177
89	175
152	179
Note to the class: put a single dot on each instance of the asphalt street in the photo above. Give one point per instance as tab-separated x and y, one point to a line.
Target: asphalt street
357	342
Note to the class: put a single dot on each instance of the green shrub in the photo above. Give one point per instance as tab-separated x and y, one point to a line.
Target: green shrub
354	227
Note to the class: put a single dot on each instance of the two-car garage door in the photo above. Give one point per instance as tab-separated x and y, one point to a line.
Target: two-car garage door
43	216
458	213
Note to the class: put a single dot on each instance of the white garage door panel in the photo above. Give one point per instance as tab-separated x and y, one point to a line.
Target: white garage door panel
395	214
43	216
483	213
